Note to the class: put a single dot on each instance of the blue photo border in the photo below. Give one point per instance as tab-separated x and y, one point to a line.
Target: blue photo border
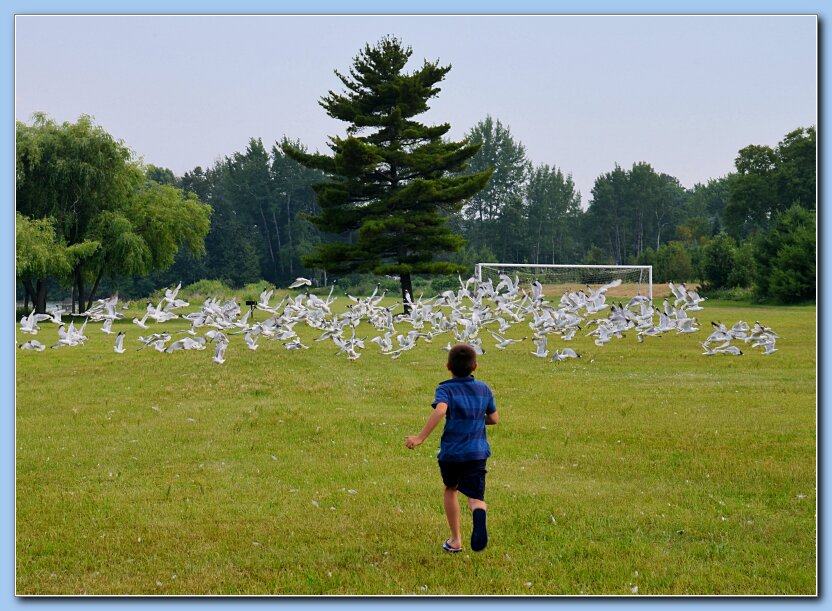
7	442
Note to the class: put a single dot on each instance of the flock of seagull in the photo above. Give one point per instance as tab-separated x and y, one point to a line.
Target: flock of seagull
463	314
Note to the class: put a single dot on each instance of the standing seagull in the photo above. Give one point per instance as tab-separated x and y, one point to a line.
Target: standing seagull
119	347
33	344
566	353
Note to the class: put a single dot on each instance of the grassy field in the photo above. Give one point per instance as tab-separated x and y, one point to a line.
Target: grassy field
639	468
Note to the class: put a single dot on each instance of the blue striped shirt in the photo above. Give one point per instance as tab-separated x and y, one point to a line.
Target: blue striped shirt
468	401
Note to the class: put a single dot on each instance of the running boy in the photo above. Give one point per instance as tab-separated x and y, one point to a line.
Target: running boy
467	406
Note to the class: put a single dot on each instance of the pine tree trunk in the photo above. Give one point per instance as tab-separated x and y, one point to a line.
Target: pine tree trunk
407	289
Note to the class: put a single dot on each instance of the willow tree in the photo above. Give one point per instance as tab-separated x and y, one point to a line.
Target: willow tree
391	181
40	254
100	206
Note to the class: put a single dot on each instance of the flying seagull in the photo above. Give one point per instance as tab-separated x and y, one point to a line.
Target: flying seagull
541	351
119	347
219	353
142	322
502	342
29	324
107	327
300	282
251	341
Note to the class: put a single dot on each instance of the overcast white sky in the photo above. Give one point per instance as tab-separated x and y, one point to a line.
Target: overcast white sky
581	93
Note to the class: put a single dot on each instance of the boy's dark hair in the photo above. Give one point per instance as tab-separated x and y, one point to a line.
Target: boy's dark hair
462	359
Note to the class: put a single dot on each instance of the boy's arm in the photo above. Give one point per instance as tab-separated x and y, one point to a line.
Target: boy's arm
492	418
411	441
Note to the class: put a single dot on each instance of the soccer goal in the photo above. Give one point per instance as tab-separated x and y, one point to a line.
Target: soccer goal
558	278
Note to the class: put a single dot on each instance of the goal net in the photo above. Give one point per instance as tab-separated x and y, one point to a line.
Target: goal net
557	279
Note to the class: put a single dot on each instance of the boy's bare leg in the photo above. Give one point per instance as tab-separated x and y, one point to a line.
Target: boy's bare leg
452	513
476	504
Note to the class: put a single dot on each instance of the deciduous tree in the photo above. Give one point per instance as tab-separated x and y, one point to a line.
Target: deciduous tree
89	183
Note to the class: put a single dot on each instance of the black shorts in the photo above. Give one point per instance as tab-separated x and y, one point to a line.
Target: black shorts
468	477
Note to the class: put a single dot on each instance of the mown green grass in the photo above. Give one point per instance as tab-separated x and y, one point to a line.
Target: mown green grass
639	465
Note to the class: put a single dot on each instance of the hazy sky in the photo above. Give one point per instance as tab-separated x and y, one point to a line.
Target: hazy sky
581	93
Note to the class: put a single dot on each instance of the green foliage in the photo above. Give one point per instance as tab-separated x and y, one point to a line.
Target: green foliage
233	243
364	284
631	210
704	209
392	188
744	270
797	169
259	198
84	179
645	257
204	289
262	203
70	172
496	212
673	263
786	255
39	253
295	201
441	284
554	209
136	231
252	291
769	181
718	261
596	256
468	257
735	294
163	176
167	218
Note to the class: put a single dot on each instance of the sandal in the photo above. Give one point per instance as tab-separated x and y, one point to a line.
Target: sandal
447	547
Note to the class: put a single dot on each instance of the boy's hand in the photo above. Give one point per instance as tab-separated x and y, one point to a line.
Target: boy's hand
411	441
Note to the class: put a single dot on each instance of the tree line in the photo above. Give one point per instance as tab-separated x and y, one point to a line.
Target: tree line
395	197
751	229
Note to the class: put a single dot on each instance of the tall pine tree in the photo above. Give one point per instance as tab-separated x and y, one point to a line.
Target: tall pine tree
392	181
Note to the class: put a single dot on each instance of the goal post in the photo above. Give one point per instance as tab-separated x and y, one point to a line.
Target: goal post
635	279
